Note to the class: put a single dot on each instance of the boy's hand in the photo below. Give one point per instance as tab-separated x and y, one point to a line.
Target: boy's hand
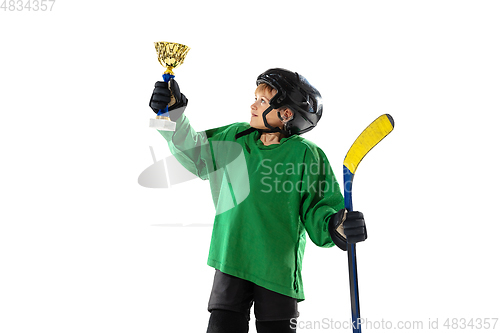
347	228
168	94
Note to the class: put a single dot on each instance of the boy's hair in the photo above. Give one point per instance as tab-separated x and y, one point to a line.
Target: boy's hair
265	87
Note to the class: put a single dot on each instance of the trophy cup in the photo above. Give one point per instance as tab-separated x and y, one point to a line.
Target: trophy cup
170	56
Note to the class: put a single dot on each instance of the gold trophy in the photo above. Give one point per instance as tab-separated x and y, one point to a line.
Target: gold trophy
170	56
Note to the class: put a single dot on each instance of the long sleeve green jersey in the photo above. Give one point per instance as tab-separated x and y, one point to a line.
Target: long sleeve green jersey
266	198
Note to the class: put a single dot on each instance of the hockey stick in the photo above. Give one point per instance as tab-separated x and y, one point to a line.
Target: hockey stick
368	139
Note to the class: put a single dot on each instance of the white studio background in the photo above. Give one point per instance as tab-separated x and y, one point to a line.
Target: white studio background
79	249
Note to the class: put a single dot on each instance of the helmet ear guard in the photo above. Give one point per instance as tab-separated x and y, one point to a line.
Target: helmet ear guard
300	125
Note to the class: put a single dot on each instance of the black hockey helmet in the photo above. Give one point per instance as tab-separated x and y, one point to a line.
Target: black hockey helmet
295	93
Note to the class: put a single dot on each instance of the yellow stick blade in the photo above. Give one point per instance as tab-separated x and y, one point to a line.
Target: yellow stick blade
368	139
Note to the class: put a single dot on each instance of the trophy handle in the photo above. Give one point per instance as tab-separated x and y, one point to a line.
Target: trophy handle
164	112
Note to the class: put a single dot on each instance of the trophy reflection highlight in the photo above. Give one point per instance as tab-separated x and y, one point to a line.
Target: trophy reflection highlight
170	56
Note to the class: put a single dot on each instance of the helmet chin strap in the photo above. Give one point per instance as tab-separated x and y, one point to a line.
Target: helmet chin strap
271	128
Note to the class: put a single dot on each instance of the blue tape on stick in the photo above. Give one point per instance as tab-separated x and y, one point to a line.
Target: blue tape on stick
348	177
164	112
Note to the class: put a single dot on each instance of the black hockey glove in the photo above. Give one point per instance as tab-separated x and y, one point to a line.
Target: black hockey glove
168	94
347	228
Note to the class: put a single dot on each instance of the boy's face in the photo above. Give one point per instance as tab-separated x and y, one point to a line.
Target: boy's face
262	98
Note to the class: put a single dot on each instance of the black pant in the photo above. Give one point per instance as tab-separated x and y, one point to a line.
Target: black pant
224	321
232	298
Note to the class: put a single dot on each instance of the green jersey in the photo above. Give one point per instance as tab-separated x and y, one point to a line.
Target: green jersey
266	199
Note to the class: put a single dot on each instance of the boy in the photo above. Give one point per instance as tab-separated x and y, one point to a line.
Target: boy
270	186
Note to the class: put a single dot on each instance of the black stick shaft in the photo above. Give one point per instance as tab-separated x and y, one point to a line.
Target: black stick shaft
353	283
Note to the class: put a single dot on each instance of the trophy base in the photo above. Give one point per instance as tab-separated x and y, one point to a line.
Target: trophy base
162	124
